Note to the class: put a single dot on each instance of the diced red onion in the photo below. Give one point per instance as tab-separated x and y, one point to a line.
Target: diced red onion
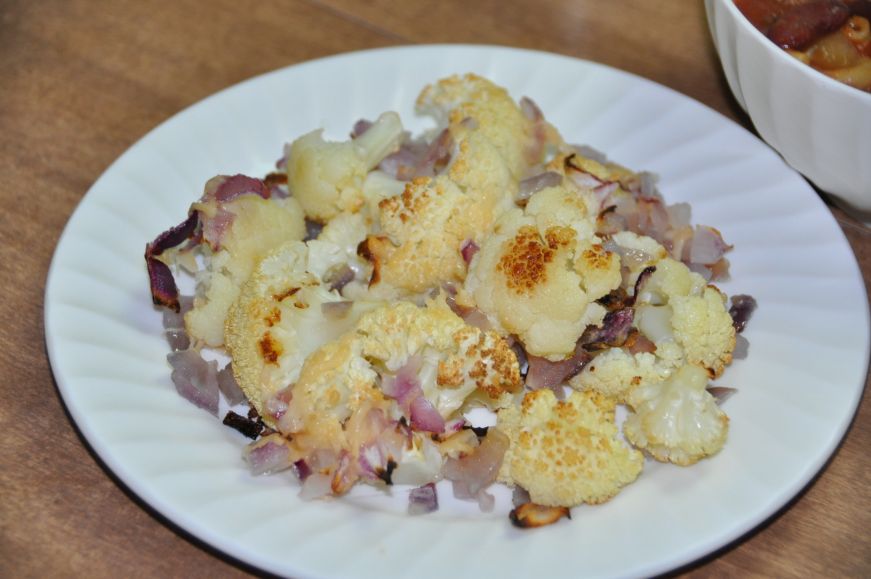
225	188
544	373
419	159
613	333
423	500
405	388
679	215
173	325
195	379
268	455
477	470
653	219
424	415
360	127
532	185
721	393
647	182
404	385
707	245
302	469
471	315
742	347
468	249
229	387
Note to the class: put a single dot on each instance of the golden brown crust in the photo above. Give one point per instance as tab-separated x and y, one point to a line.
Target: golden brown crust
524	263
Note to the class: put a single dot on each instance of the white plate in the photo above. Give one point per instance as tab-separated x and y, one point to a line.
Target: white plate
798	389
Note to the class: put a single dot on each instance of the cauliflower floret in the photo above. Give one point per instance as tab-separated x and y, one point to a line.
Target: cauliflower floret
328	177
675	305
453	100
478	169
616	371
371	394
431	346
531	283
566	452
561	206
677	420
458	359
250	226
334	254
671	278
703	327
278	321
422	233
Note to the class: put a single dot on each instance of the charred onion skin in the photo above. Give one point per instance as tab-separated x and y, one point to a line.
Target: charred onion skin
532	516
164	291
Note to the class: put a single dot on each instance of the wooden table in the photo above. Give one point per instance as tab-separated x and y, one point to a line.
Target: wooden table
80	81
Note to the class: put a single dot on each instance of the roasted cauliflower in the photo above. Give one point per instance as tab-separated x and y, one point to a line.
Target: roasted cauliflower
284	313
538	276
237	234
675	304
676	420
566	452
472	99
328	177
421	239
414	367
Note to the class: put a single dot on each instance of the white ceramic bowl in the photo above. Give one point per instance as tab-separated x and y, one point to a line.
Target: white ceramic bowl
821	127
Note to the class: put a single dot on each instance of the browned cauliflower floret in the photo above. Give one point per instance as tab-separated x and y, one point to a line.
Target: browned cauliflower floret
414	368
328	177
457	360
566	452
470	98
616	371
422	233
541	284
447	359
250	227
677	420
279	320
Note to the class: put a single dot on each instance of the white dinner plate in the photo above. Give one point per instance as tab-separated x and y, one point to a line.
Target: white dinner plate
798	389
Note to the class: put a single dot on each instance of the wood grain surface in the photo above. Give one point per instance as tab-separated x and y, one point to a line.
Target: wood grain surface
81	81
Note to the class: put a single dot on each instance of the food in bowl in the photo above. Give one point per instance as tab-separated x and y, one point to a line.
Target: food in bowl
376	292
832	36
